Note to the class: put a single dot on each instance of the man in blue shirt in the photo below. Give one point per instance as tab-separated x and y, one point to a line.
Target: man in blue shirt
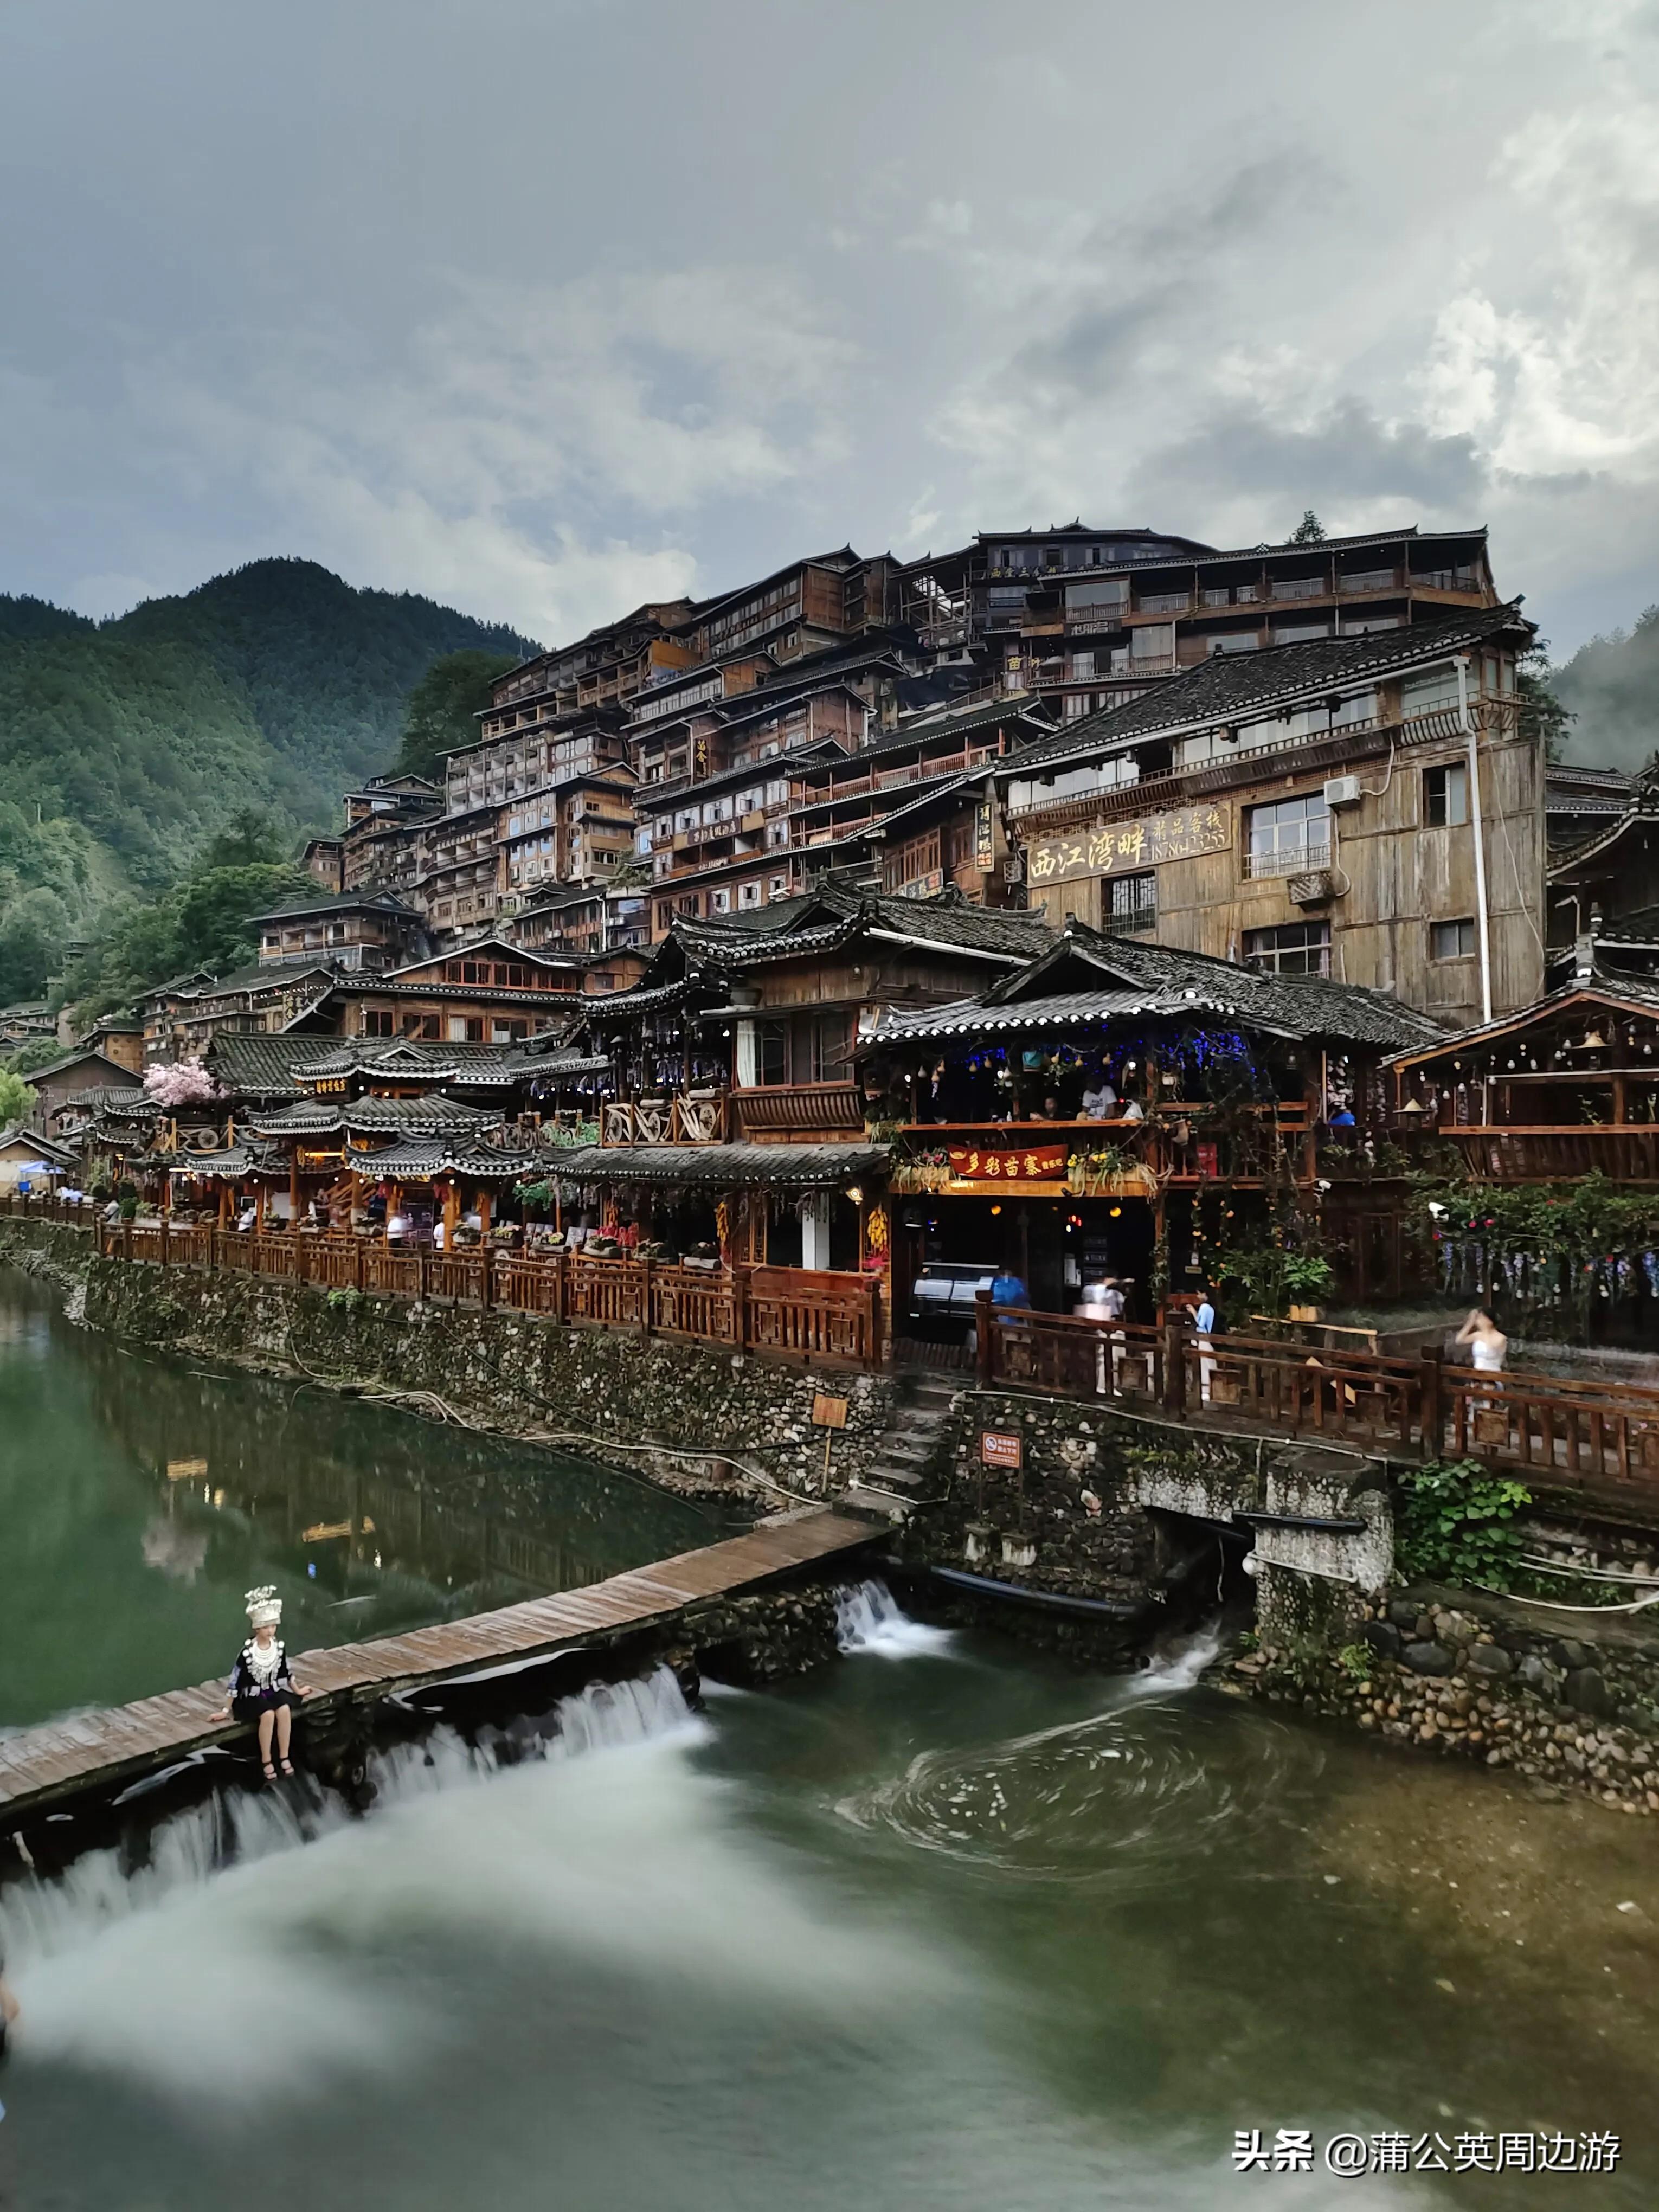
1007	1290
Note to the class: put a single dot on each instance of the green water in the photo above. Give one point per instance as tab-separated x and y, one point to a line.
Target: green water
140	1499
942	1928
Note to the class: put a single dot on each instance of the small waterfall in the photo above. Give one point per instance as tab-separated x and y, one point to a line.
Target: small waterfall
39	1919
1180	1665
868	1618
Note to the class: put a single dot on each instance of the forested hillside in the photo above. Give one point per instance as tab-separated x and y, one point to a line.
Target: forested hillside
126	746
1611	687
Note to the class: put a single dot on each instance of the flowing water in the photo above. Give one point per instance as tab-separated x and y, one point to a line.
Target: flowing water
942	1926
139	1498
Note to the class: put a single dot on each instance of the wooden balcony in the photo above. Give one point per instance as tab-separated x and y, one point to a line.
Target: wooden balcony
694	1120
1626	1152
799	1110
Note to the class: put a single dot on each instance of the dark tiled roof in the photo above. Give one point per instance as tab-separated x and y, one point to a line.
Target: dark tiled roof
114	1098
1639	994
365	902
260	1066
721	1167
1112	978
961	721
413	1160
432	1114
1235	686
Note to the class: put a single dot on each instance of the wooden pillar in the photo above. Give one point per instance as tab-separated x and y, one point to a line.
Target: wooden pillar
1430	1408
983	1324
293	1188
259	1209
1174	1367
451	1212
1618	1113
483	1214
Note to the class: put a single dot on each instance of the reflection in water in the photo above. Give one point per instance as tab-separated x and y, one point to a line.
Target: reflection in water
140	1498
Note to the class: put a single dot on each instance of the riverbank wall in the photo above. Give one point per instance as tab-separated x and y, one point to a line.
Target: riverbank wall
1461	1674
602	1391
1087	1511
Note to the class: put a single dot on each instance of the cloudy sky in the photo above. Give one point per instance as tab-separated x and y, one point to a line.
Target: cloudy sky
544	306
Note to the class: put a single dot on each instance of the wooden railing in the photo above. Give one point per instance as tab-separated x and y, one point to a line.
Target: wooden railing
43	1205
1629	1151
791	1313
787	1108
1601	1438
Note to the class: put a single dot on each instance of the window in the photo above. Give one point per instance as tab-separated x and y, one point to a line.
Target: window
377	1021
1446	795
771	1053
719	902
1129	901
1451	940
1298	948
826	1042
750	895
421	1025
1291	834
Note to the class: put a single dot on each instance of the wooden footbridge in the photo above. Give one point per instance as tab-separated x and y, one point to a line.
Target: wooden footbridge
40	1765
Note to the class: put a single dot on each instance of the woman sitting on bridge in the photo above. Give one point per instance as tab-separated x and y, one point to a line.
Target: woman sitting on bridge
262	1689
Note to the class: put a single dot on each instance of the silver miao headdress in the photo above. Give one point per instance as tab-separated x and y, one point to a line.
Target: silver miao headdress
264	1608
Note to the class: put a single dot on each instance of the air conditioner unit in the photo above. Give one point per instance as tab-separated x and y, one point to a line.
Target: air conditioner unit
1342	791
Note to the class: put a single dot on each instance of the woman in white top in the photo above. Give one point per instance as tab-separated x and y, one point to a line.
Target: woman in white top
1487	1341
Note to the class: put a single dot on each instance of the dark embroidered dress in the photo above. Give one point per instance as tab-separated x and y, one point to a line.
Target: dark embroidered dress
257	1686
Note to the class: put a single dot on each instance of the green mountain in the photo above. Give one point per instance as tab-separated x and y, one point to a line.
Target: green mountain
1610	686
125	746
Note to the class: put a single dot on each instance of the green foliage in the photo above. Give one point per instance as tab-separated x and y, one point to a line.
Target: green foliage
1311	530
1356	1661
1272	1279
345	1301
441	710
205	922
24	616
1609	692
17	1099
127	746
1568	1226
1544	713
1454	1523
41	1052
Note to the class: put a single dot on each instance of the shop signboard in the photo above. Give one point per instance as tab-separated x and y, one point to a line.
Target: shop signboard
1027	1164
1110	848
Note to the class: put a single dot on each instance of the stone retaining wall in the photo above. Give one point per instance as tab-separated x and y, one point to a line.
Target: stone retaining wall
599	1387
1484	1679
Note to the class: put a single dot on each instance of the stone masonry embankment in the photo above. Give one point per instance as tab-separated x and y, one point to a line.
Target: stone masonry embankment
1467	1676
598	1388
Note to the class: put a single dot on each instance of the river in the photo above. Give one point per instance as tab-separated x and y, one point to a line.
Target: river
942	1926
140	1498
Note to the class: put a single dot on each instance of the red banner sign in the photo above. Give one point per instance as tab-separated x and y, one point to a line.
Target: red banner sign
1034	1163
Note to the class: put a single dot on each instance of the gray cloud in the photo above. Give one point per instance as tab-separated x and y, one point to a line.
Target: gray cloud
1345	457
541	305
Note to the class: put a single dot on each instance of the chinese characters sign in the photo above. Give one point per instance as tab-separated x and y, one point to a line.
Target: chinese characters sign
1112	846
1035	1164
1001	1447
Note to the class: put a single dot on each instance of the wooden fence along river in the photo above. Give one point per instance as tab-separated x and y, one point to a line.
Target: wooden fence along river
39	1766
794	1313
1601	1438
